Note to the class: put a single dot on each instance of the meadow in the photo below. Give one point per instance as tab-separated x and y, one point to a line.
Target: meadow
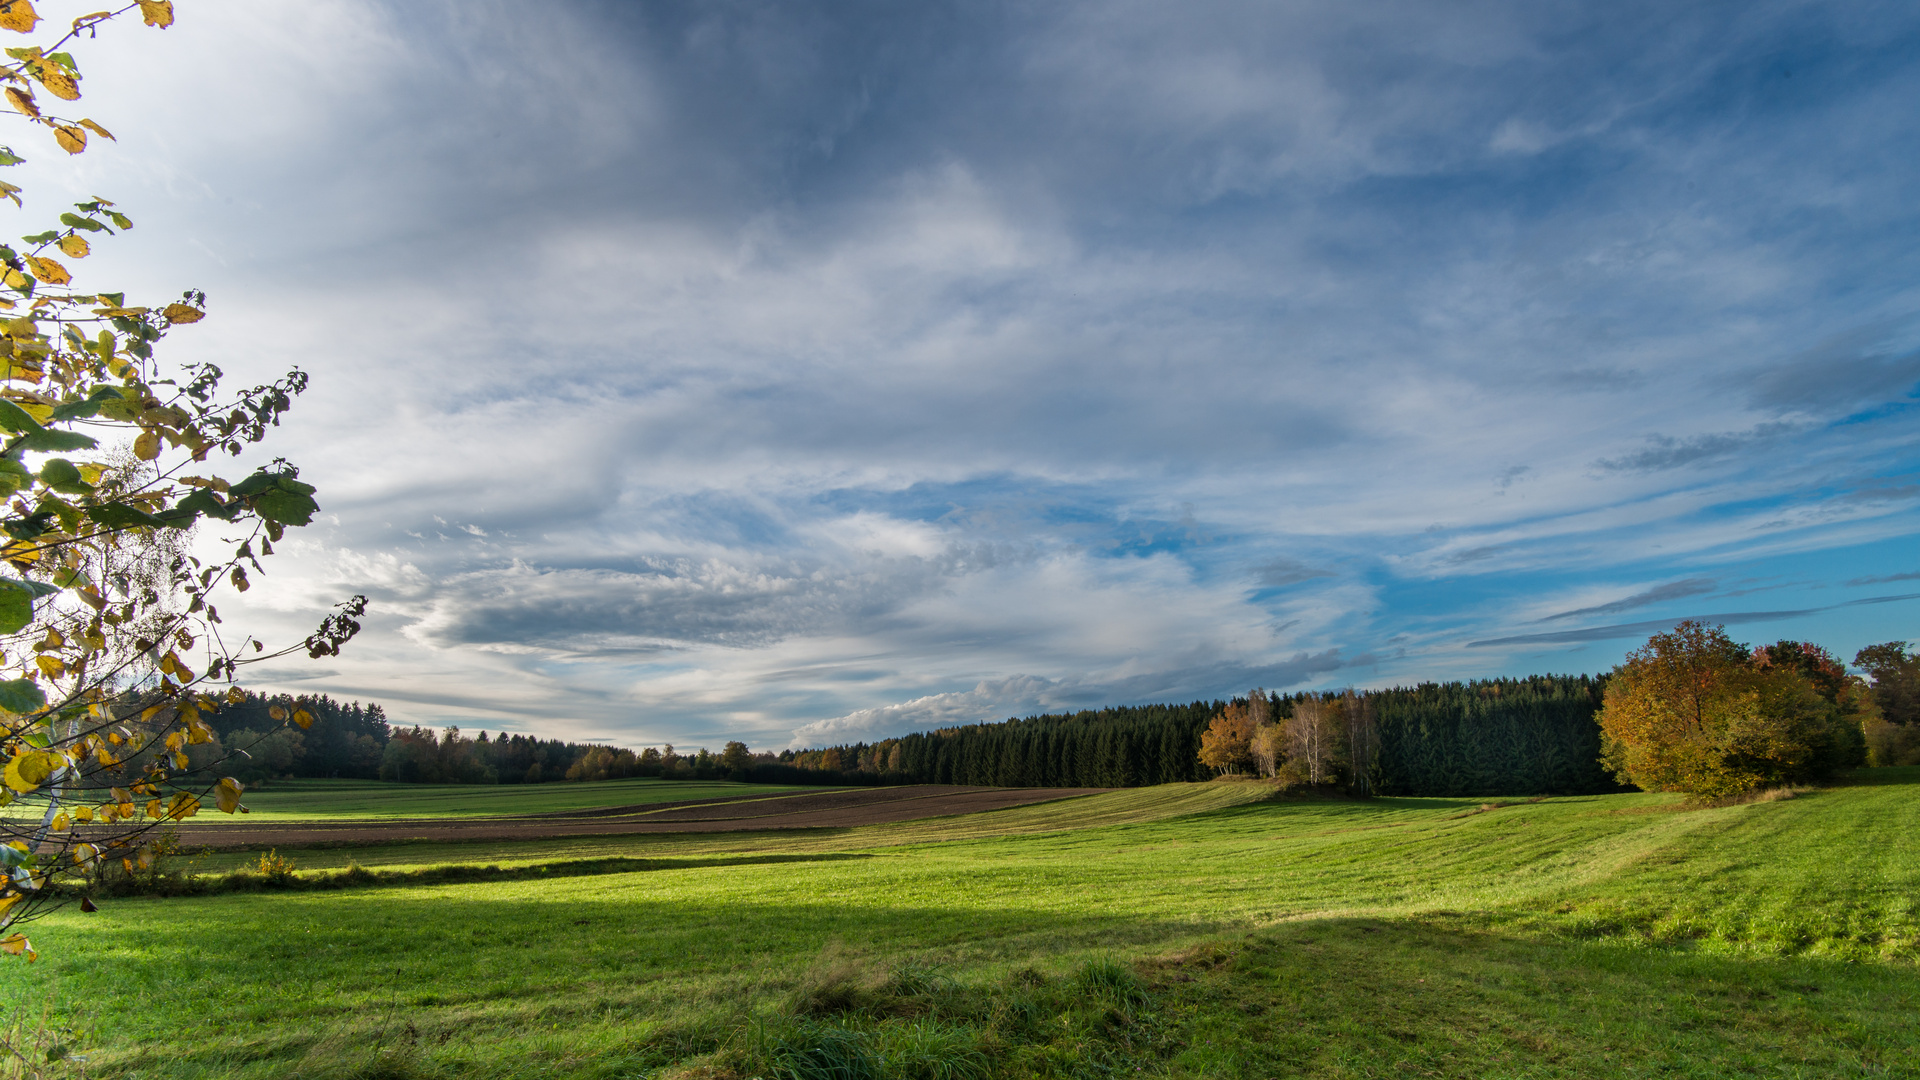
1190	930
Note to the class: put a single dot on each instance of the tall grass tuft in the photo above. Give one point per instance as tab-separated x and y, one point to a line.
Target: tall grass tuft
917	979
34	1047
1111	981
925	1050
815	1051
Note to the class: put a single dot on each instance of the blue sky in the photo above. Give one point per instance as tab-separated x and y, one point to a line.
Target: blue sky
794	372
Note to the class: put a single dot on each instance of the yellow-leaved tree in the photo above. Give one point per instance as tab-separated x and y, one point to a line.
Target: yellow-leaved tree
1693	711
112	650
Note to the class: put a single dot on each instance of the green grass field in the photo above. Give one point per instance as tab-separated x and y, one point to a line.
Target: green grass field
1182	931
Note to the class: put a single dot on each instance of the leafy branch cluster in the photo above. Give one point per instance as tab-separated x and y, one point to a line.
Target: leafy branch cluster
112	649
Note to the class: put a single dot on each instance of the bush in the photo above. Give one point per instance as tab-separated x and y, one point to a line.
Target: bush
1891	744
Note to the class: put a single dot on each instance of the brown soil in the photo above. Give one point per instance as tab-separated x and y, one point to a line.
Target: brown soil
801	810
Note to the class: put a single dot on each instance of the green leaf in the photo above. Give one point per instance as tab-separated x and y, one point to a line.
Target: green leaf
88	405
15	419
16	610
75	221
63	476
42	238
49	440
28	528
200	502
253	485
8	157
115	515
286	507
16	603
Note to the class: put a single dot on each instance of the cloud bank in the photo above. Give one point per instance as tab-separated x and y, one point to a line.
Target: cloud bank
794	371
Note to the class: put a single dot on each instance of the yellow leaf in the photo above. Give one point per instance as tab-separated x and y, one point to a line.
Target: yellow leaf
278	712
85	853
17	944
52	665
182	805
60	823
29	770
180	759
22	101
97	130
157	12
17	15
147	446
183	313
198	733
71	139
48	270
75	247
7	902
59	82
83	813
303	718
153	809
227	794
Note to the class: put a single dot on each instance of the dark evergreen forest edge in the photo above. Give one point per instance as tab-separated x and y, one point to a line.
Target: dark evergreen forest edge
1537	735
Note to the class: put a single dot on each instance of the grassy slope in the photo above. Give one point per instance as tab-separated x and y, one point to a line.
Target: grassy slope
1576	937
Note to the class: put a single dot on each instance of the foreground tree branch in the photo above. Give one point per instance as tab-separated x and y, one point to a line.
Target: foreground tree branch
112	649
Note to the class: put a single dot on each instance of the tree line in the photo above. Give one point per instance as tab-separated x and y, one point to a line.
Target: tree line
354	741
1538	735
1513	736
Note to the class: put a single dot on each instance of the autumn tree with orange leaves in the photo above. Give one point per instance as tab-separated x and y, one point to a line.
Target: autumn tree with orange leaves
1693	711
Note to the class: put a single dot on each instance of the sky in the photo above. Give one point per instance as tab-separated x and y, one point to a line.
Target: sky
802	372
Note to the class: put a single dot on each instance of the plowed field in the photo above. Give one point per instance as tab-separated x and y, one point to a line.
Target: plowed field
805	810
